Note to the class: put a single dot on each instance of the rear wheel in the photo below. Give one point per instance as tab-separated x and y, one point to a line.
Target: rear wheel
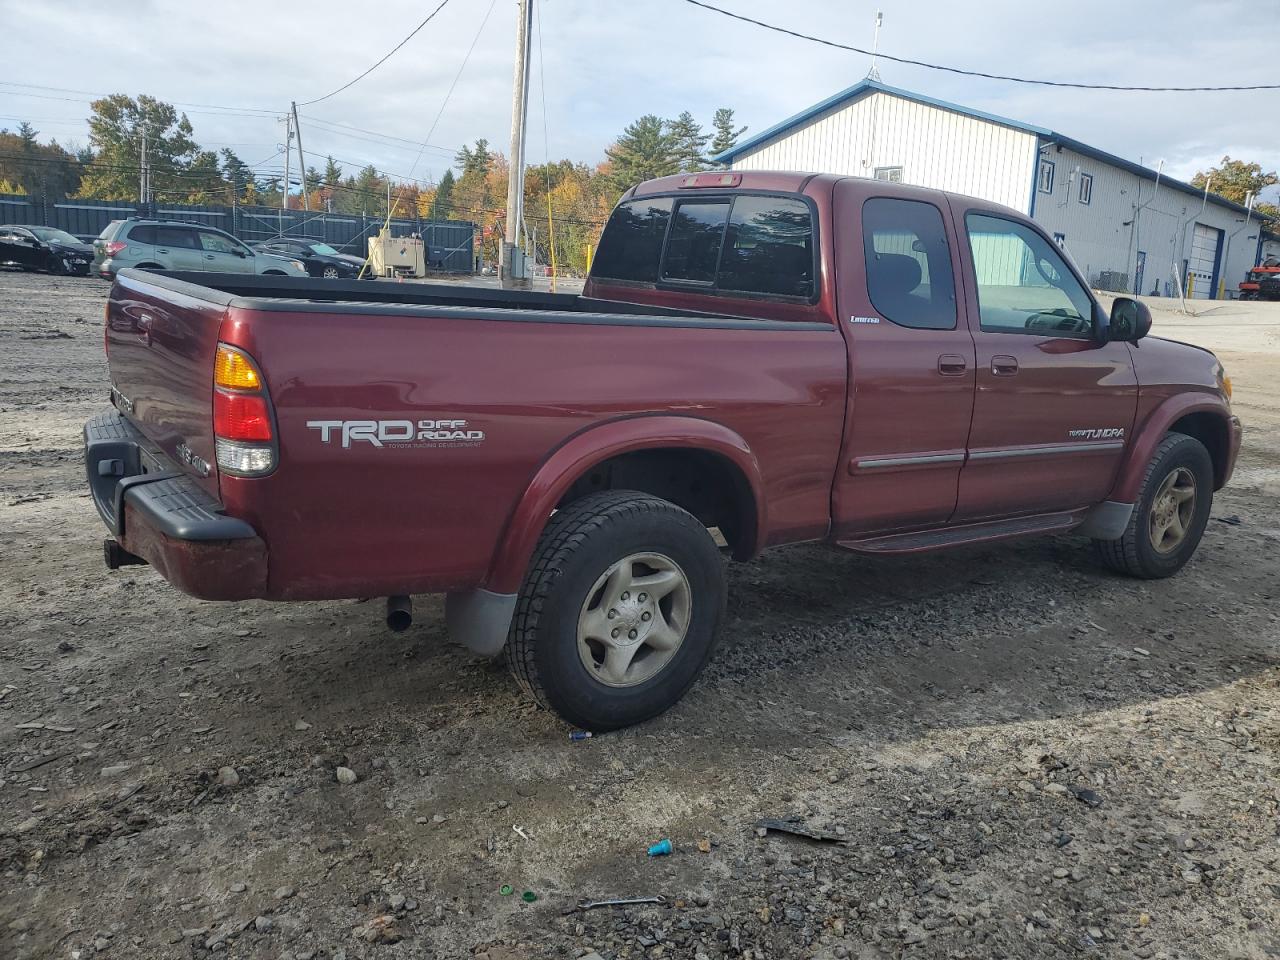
1170	515
620	610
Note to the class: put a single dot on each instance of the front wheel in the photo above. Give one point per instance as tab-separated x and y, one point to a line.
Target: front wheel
330	273
1170	515
619	612
55	266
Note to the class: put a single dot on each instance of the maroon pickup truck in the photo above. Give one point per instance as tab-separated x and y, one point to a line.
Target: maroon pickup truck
757	359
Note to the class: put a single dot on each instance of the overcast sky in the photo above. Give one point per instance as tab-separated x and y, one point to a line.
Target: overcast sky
610	61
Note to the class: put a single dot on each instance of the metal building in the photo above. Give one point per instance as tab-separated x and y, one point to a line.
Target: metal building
1127	228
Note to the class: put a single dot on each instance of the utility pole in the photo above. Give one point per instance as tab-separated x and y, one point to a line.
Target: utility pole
511	263
302	164
288	160
144	174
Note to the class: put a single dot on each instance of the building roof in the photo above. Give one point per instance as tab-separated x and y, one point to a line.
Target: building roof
866	87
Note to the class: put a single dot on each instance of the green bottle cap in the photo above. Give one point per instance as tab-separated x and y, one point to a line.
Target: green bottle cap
528	896
506	890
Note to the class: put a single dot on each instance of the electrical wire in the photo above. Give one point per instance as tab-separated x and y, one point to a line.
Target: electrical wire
350	83
456	77
976	73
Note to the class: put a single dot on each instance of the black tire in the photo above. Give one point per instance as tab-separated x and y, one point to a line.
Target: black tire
55	266
580	543
330	273
1134	553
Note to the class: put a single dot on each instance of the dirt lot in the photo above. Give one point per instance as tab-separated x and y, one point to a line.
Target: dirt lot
1026	756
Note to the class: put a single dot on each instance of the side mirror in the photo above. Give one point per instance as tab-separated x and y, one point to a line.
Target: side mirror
1130	320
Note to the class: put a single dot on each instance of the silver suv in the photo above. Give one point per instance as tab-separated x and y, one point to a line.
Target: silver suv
175	245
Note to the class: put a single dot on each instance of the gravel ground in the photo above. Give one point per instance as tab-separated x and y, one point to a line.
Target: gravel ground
1014	753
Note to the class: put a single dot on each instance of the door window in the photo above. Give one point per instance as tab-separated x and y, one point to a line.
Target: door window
909	276
693	246
175	237
1024	285
217	243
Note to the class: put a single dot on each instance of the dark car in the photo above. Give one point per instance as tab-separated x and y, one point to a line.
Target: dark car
320	259
44	248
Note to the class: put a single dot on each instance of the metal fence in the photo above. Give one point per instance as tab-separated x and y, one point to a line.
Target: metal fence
449	242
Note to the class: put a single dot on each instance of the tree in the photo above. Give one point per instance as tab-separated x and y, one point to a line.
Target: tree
645	150
238	174
690	141
115	132
30	167
314	181
726	137
474	160
1235	180
369	190
332	172
442	202
203	181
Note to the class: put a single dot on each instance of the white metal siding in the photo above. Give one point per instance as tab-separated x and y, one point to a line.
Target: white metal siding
934	147
1104	236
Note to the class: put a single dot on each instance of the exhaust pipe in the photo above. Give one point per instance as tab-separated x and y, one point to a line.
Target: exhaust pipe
117	556
399	613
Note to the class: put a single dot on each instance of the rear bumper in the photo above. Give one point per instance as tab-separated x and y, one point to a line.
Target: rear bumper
162	515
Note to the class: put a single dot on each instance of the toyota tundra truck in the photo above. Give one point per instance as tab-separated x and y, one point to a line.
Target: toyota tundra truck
757	359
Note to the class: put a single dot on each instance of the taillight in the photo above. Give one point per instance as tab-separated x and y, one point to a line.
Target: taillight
244	435
114	247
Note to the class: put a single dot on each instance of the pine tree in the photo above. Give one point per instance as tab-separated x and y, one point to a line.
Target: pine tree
726	137
442	205
645	150
332	172
238	173
690	141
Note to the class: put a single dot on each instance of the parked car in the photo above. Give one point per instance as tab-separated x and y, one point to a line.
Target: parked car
44	248
777	357
177	245
320	259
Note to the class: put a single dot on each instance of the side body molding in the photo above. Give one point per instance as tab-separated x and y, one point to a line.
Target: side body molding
583	451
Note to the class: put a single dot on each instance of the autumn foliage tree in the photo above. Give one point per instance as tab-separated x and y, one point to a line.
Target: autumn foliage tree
1235	180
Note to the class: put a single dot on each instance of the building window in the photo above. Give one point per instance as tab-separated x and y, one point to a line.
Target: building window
1086	187
891	174
1046	176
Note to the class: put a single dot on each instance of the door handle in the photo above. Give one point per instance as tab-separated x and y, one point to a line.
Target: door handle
208	256
162	250
1004	366
952	365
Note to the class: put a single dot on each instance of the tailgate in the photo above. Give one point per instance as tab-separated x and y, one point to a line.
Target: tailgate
161	343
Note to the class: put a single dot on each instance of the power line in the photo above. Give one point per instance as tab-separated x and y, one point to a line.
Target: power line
976	73
349	83
456	77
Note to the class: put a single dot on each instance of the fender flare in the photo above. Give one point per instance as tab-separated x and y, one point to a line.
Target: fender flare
1152	431
584	450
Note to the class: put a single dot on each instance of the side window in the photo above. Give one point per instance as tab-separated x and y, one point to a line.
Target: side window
632	242
1024	285
217	243
143	235
768	248
1086	188
1045	176
175	237
909	276
693	245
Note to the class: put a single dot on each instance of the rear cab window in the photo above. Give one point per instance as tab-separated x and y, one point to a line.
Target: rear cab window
731	245
908	261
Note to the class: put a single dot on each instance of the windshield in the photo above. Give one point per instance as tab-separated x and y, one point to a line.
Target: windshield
51	233
324	249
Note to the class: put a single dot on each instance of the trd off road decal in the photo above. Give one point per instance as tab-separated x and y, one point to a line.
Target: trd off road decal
398	433
1097	433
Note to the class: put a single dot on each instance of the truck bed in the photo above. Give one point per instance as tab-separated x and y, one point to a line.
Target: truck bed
309	294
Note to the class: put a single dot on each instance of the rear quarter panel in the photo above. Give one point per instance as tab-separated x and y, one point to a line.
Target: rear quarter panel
367	520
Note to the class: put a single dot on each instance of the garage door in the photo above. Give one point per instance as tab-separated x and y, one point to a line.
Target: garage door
1203	263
